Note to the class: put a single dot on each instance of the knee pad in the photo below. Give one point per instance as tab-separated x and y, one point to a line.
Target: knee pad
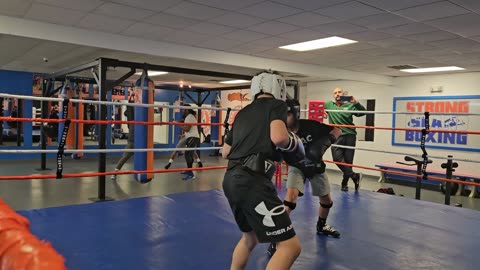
290	205
326	205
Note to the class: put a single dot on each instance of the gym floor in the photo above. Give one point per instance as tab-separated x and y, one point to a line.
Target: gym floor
34	194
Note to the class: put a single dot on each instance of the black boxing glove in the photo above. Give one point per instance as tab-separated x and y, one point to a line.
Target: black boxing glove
294	144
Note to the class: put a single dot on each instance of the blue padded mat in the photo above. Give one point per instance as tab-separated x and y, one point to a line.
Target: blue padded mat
197	231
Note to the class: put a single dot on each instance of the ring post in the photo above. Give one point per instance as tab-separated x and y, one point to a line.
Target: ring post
449	166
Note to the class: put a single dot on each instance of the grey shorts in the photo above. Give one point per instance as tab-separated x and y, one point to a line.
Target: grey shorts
319	182
182	143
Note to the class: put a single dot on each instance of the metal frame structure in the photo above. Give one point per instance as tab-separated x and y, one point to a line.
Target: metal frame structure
99	69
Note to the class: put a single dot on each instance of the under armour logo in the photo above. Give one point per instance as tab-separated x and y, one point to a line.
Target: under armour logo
268	214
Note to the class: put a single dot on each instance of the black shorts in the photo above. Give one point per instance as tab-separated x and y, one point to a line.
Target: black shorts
192	142
256	206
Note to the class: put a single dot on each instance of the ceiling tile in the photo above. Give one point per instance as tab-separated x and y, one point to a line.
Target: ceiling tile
339	28
249	48
359	46
15	8
227	4
310	4
367	36
237	20
468	4
244	35
432	52
381	20
219	43
379	51
408	29
307	19
148	31
104	23
122	11
55	15
432	11
414	47
12	47
209	28
465	25
303	35
348	10
431	36
477	38
84	5
170	21
274	53
270	10
393	5
389	42
186	37
273	41
155	5
460	45
273	28
195	11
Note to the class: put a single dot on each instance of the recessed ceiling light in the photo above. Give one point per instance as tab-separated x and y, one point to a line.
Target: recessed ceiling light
431	69
153	73
234	81
318	44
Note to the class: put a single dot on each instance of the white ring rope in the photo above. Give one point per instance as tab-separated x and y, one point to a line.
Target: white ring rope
87	101
395	112
398	153
68	151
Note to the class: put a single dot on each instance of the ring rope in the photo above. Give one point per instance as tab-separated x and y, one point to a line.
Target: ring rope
34	151
398	153
406	174
80	175
394	112
106	122
87	101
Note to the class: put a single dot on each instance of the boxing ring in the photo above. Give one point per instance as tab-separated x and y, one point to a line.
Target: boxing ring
196	230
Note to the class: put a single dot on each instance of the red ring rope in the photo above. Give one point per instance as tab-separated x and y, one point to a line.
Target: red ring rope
78	175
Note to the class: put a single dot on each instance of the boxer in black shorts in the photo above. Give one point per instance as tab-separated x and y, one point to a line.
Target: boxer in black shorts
258	134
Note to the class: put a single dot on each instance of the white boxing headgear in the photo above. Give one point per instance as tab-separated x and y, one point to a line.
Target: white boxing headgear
269	83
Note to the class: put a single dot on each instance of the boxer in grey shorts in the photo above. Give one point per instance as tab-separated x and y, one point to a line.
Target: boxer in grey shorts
319	182
317	138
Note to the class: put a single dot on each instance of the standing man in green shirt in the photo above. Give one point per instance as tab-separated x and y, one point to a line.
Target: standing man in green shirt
349	135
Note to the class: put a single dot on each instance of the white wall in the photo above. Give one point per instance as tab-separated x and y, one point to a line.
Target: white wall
453	84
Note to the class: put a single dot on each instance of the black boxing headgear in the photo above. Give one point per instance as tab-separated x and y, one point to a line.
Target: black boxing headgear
294	108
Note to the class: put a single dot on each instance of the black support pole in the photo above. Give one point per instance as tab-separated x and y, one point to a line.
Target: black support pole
44	106
102	139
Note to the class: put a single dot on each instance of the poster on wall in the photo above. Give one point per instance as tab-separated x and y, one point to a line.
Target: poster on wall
450	119
235	99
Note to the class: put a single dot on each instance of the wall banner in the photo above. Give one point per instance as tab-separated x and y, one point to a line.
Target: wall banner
453	107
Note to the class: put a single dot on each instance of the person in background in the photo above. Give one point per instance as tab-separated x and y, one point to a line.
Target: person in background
349	134
129	114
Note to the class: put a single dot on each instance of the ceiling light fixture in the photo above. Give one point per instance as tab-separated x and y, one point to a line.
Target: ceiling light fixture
234	81
153	73
432	69
318	44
